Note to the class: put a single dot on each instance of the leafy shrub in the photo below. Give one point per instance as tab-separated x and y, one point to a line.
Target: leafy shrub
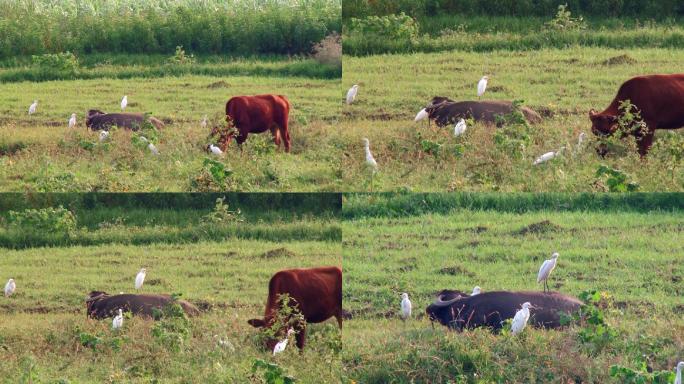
272	372
65	63
564	21
329	50
287	316
595	333
88	340
377	31
617	180
642	376
49	220
172	328
513	135
221	214
669	148
179	57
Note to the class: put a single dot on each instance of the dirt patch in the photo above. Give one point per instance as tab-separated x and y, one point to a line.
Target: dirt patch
408	264
154	282
455	271
544	111
278	252
678	309
497	89
480	229
218	84
618	60
540	227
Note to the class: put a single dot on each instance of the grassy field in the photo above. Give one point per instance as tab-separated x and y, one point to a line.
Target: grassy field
41	154
632	257
562	84
46	336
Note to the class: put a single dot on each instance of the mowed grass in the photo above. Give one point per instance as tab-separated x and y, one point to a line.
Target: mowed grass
561	84
39	152
635	258
41	324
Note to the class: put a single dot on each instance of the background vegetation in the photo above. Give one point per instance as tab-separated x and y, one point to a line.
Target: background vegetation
237	27
46	337
631	258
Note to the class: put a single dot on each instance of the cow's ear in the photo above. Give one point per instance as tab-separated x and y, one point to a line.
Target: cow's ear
256	323
592	113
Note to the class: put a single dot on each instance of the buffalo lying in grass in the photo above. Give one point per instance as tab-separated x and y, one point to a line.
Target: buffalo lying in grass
98	120
445	111
459	311
101	305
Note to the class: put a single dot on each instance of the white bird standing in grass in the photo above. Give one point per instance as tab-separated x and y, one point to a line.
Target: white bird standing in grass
460	128
351	93
370	160
204	122
215	150
421	115
283	343
124	102
476	291
140	278
32	108
150	146
117	323
520	319
10	287
405	306
546	268
104	135
72	120
482	86
580	139
547	156
678	375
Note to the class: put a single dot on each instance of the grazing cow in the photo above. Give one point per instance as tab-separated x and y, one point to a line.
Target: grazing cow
446	111
659	98
459	311
101	305
256	114
98	120
315	292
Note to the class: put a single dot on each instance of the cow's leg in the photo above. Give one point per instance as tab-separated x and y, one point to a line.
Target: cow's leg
276	136
645	143
241	138
301	338
339	320
286	137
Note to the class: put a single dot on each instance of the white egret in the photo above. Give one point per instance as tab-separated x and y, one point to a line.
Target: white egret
124	102
546	268
72	120
118	320
215	150
351	93
460	128
520	319
370	160
32	108
482	86
580	139
104	135
150	146
405	306
10	287
140	278
546	157
421	115
204	122
476	291
678	376
283	343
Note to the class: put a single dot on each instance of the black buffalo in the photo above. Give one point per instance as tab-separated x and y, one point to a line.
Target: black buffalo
445	111
459	311
101	305
98	120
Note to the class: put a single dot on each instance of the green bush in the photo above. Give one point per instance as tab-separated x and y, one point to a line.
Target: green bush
48	220
172	327
57	65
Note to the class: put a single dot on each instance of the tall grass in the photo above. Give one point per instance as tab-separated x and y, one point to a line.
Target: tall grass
399	205
238	27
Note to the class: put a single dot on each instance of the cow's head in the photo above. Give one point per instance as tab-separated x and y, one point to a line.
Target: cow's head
92	298
223	135
442	308
275	335
278	320
603	124
92	113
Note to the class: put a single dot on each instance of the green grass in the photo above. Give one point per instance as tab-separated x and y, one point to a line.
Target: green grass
563	85
41	323
43	155
634	257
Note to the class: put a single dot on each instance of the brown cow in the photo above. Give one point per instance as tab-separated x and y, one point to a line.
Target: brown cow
446	111
101	305
659	98
98	120
316	292
256	114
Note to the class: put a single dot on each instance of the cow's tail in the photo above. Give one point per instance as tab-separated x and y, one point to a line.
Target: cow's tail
156	122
